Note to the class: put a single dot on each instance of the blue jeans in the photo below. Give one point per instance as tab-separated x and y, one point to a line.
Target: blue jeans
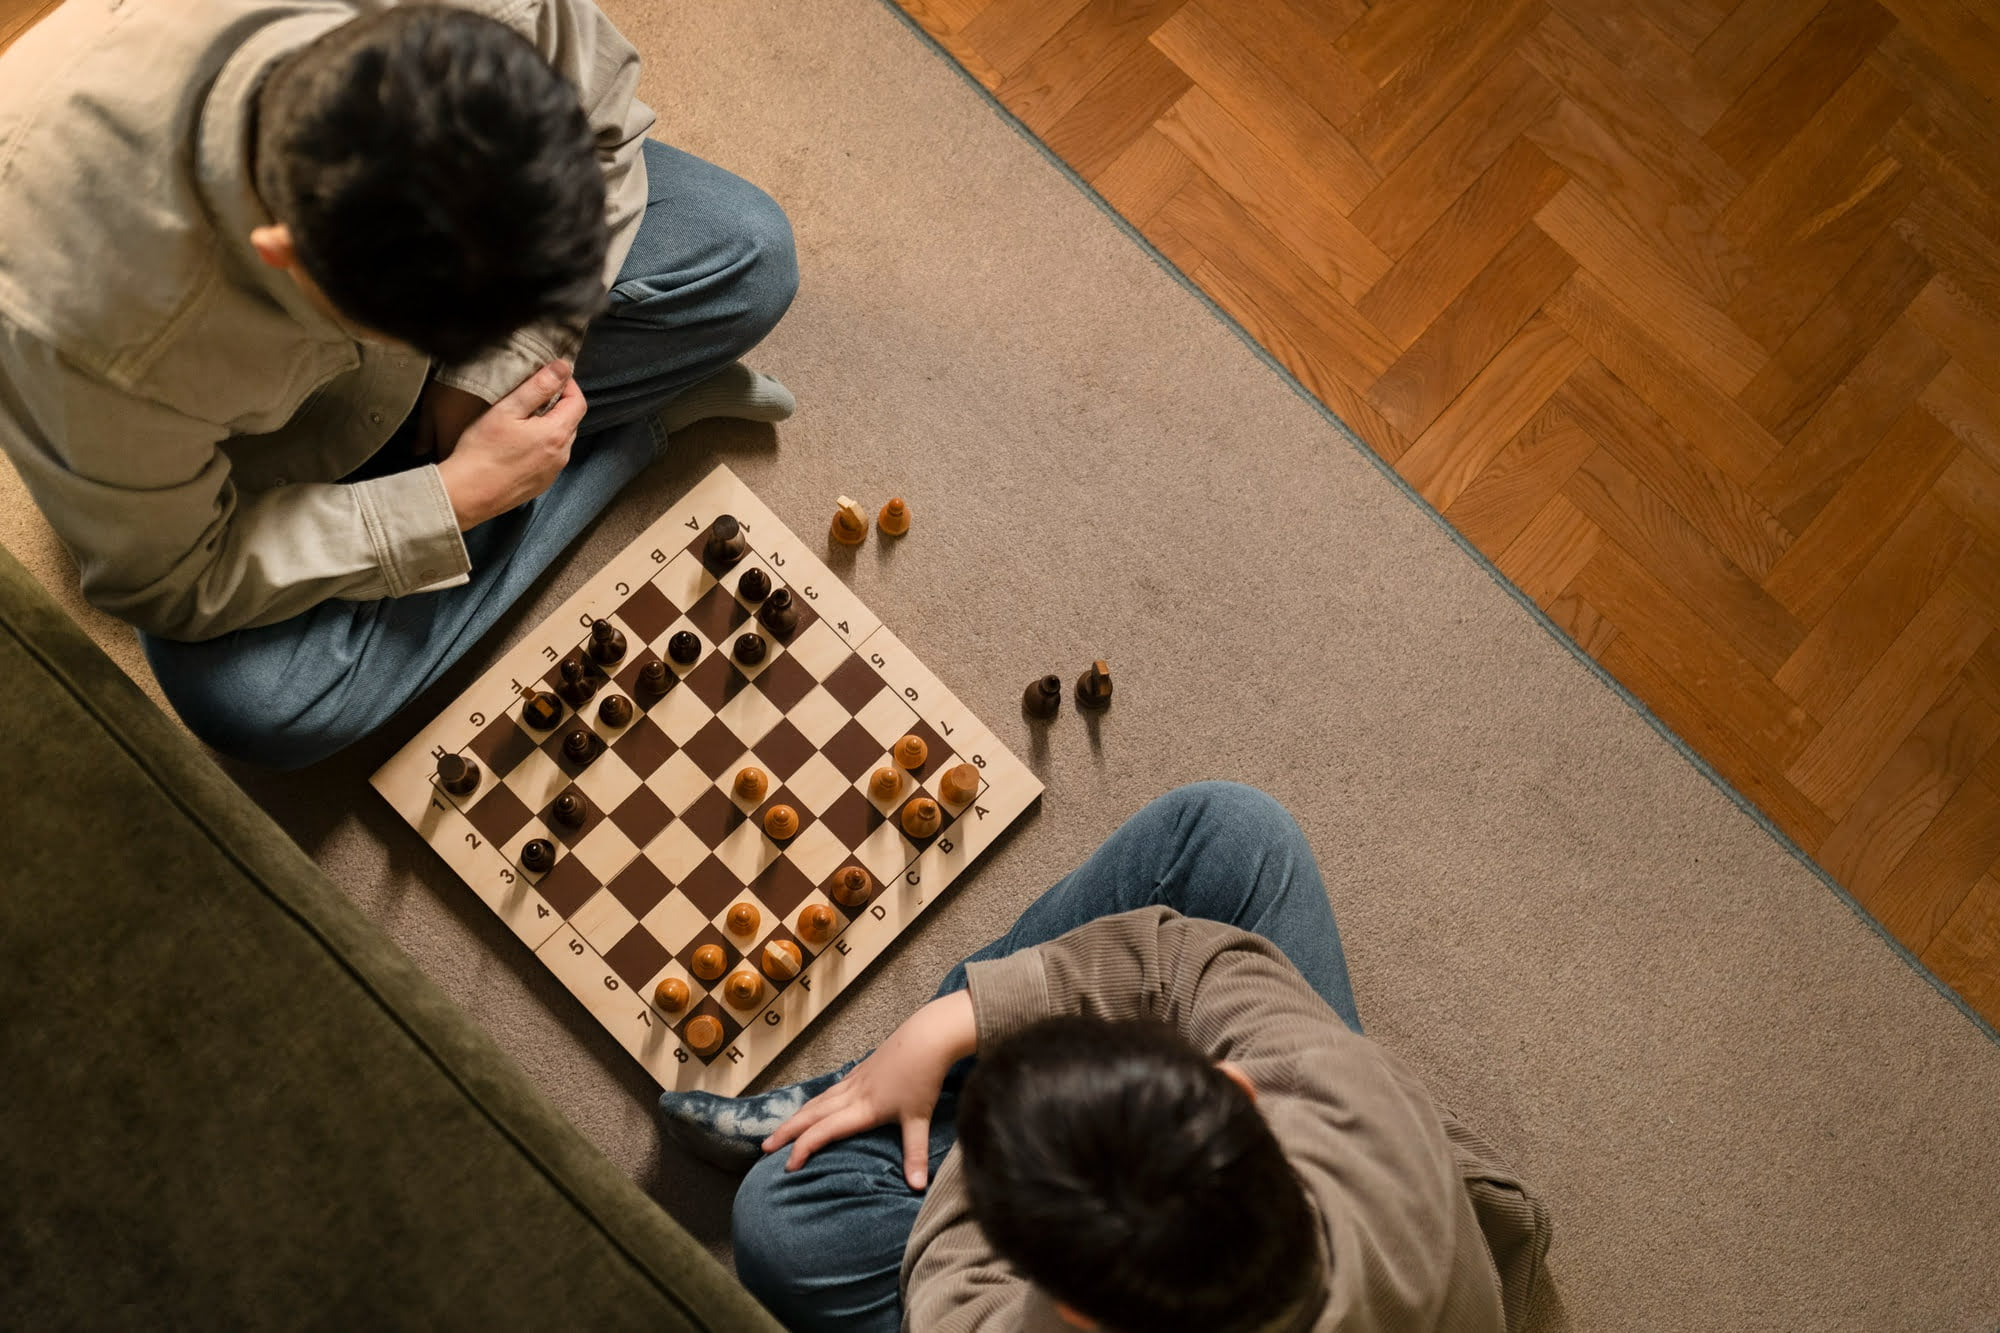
710	272
822	1246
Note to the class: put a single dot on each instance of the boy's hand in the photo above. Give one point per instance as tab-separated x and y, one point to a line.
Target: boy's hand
514	451
900	1081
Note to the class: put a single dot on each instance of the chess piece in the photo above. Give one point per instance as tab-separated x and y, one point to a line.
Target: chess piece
457	774
1093	687
683	648
885	786
569	810
922	818
754	586
615	710
815	923
911	752
743	989
751	784
894	520
538	855
709	961
779	613
743	919
654	679
850	525
1042	699
703	1033
580	747
781	960
959	784
540	710
850	886
576	686
750	649
726	543
607	644
781	822
671	995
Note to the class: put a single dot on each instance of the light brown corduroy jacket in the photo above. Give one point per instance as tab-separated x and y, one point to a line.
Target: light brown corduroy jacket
178	409
1424	1228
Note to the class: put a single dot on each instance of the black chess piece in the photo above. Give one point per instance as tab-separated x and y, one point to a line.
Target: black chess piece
457	774
580	747
726	543
540	709
1043	697
754	586
537	855
654	679
750	649
568	810
1093	687
684	647
575	684
607	644
778	613
615	710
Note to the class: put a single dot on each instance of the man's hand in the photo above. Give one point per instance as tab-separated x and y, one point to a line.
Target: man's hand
443	413
900	1081
510	455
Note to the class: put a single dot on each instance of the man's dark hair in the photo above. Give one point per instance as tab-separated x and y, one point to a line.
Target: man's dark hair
1119	1170
439	179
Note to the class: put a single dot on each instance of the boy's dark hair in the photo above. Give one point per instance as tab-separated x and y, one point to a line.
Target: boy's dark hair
439	178
1119	1170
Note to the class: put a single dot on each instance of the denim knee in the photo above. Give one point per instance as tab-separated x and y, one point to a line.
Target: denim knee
782	1231
236	707
771	269
1235	804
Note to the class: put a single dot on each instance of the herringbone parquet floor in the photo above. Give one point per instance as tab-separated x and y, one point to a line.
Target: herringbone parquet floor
1685	312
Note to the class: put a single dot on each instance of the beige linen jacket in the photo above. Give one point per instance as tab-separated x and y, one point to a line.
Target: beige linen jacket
178	409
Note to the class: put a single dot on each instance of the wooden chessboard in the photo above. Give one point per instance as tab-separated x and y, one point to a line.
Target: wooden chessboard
665	849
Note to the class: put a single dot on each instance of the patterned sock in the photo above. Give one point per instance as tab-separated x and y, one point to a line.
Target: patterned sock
734	391
729	1131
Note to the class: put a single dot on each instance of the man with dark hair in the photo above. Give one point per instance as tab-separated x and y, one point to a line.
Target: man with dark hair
325	327
1173	1123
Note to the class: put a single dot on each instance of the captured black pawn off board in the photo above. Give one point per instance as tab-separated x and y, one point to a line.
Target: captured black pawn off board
726	543
1042	699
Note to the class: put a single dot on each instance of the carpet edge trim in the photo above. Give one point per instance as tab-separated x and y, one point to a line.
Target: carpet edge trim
1438	520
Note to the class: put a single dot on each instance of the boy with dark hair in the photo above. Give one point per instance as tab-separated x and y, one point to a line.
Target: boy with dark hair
1173	1123
301	310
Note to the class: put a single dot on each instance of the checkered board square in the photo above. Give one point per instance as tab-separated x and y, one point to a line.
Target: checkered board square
663	849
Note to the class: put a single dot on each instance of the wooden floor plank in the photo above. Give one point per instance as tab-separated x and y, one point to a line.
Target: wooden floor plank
1387	37
1955	248
1744	44
1933	881
1972	338
1632	41
1784	96
1584	623
1965	955
1967	408
1140	180
1007	32
1122	106
1534	464
1299	56
1557	543
1956	173
1458	54
1964	36
1062	70
1970	488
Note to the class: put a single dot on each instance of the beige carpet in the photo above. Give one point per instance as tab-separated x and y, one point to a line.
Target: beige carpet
1746	1111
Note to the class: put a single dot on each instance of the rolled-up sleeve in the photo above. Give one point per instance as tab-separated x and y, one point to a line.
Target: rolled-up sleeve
586	49
165	540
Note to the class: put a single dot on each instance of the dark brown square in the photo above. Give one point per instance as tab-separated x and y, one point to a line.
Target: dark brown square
782	886
937	749
640	886
717	614
730	1028
649	612
851	818
499	814
784	748
553	746
570	837
503	745
714	680
853	751
567	886
714	748
784	682
854	683
637	957
644	747
784	796
710	935
642	815
712	817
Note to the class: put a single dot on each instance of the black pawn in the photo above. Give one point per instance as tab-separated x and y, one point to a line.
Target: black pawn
726	543
750	649
578	747
457	774
576	684
537	855
655	679
754	586
607	645
1093	687
778	614
615	711
568	809
1043	697
684	647
540	710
